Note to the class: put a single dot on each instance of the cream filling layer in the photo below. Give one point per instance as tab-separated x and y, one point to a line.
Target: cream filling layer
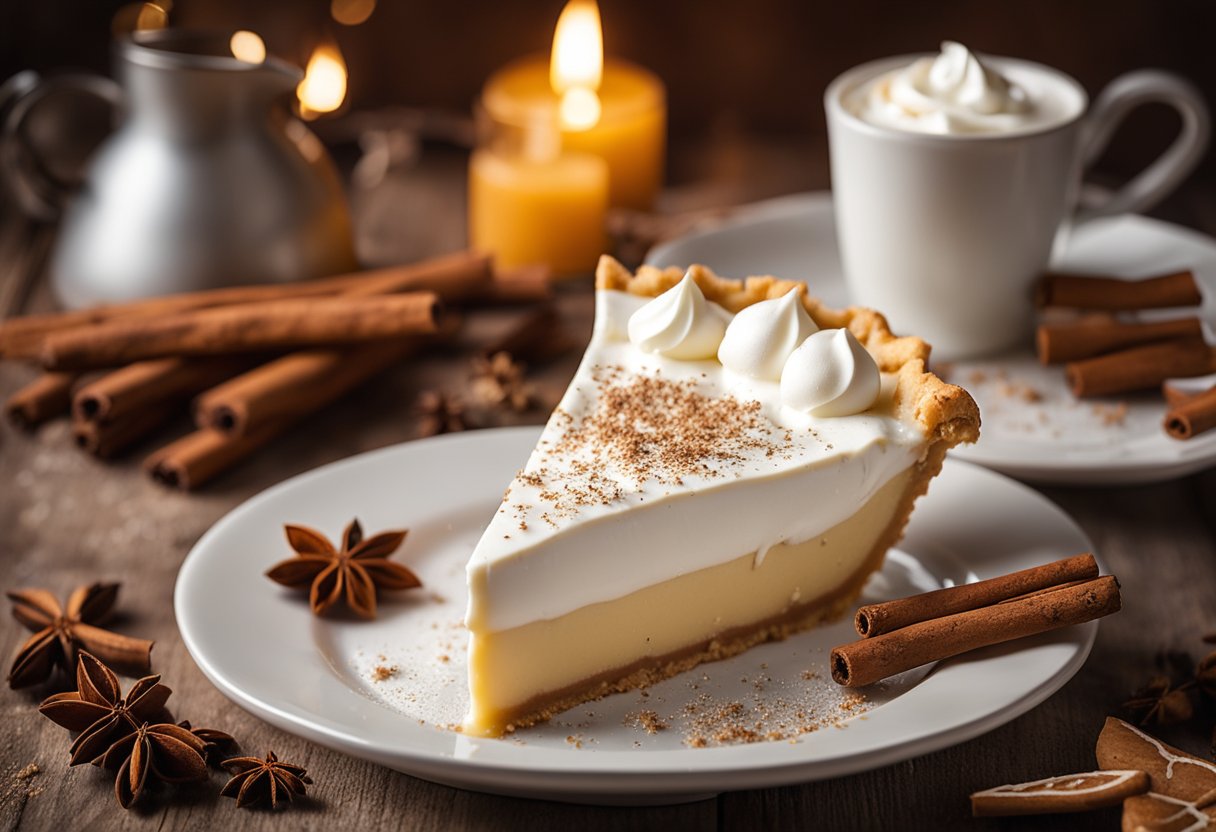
510	668
535	563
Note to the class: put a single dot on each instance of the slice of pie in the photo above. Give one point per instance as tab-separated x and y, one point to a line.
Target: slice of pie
730	463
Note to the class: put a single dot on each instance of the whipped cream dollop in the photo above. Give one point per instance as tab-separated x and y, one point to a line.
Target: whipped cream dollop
830	374
680	324
762	336
953	92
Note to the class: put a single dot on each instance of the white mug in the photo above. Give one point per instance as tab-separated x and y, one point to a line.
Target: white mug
946	234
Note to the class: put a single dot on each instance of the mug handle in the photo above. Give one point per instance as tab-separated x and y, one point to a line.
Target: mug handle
1155	182
40	191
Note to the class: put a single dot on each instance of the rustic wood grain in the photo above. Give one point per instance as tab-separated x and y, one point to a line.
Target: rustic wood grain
66	518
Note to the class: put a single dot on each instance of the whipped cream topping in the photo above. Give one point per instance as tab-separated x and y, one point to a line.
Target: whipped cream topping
761	337
661	445
830	375
953	92
680	323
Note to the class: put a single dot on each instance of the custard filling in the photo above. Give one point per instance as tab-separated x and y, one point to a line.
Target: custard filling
515	673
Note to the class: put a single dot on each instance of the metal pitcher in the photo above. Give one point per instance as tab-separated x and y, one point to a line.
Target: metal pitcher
208	181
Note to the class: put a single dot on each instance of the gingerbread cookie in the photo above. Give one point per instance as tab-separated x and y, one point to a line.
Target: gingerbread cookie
1066	793
1182	787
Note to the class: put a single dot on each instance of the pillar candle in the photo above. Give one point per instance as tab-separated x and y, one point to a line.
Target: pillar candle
538	210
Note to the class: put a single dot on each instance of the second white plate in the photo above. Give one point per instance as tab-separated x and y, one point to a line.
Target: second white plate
1033	427
386	690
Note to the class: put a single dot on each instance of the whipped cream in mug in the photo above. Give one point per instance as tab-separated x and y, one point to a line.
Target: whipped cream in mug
955	92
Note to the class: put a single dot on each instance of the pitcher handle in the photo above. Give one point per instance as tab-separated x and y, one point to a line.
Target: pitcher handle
40	191
1121	96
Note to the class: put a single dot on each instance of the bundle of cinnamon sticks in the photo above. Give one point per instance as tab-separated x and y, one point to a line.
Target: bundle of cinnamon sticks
1104	354
254	360
909	632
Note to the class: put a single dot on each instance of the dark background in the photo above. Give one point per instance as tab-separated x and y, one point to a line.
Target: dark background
753	68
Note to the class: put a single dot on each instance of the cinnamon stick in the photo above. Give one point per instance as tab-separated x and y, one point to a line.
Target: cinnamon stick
1112	293
200	456
108	439
522	284
1139	368
1062	342
1175	396
245	328
875	619
22	337
1192	416
44	398
299	383
454	277
316	379
869	660
143	383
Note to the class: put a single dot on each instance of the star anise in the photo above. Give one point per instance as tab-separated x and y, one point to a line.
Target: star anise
165	752
217	744
99	711
61	632
355	571
440	412
1161	703
255	780
499	381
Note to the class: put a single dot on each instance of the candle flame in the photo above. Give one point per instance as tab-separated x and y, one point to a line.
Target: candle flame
577	64
248	47
324	86
578	48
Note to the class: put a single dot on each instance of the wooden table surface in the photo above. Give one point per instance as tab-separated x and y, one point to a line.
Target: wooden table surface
67	519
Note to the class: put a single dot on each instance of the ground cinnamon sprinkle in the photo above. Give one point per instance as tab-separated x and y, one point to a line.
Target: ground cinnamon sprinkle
649	721
656	429
765	719
646	429
1113	415
381	673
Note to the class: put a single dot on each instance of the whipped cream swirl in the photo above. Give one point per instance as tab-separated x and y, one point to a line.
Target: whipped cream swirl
762	336
830	374
680	324
954	92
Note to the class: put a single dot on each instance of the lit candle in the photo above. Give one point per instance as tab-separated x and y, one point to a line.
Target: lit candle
555	144
615	110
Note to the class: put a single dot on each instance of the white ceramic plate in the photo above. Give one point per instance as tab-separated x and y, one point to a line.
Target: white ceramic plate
1033	427
316	677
